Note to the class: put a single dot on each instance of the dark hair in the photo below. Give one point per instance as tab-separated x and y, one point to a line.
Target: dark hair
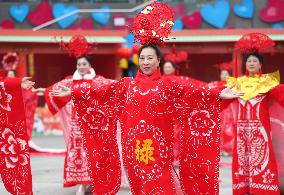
255	54
157	50
229	71
173	64
88	58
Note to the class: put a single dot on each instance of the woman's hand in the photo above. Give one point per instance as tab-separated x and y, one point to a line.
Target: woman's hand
61	92
39	91
228	93
26	83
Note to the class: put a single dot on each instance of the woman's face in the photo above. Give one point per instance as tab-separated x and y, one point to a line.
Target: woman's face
148	61
224	74
83	66
11	74
253	64
168	69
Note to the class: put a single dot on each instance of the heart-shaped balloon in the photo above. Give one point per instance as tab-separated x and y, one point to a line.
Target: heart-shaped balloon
59	10
19	12
85	24
245	10
102	17
178	25
179	10
42	14
216	14
273	12
192	21
6	24
277	26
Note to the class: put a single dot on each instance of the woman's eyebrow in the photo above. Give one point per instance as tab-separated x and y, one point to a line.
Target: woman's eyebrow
146	56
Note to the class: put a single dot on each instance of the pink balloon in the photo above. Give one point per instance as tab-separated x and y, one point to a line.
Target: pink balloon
273	12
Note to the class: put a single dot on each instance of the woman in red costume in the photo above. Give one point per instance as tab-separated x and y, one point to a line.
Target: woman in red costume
76	168
14	152
147	107
10	62
30	98
225	71
254	168
227	116
171	70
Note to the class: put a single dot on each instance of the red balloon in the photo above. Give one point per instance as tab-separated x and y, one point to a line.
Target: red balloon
6	24
273	12
85	24
42	14
192	21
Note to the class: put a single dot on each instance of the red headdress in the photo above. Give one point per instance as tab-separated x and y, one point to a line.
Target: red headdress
254	42
153	23
224	66
77	46
10	61
176	57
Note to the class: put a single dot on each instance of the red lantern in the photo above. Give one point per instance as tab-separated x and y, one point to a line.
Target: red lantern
135	48
124	52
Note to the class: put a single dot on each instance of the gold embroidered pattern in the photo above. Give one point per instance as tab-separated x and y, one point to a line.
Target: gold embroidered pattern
253	86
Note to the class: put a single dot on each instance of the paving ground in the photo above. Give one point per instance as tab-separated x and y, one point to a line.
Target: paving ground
48	172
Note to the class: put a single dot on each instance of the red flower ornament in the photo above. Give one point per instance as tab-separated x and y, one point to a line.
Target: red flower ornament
153	24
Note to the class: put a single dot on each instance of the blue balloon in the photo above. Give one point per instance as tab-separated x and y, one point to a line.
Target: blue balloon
216	15
129	40
178	25
245	10
277	26
19	12
59	10
102	17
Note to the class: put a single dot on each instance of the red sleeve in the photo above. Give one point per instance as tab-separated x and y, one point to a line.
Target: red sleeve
220	85
94	106
277	93
107	99
30	101
56	103
195	82
15	167
225	103
200	151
